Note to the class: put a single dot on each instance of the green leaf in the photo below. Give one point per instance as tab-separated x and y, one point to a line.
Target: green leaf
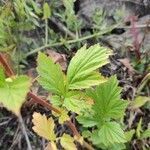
75	105
108	103
13	92
75	102
46	11
146	134
56	100
50	75
117	146
87	121
81	69
129	135
111	133
2	77
139	128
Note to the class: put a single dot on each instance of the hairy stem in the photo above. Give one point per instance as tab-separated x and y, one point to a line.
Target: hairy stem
71	41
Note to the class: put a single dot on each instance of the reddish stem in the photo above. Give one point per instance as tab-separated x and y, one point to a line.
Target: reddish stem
73	128
43	102
135	34
9	72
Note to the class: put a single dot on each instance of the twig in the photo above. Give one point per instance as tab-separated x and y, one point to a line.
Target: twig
63	28
24	132
71	41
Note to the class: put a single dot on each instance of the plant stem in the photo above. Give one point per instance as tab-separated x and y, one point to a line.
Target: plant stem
143	83
63	28
76	133
71	41
9	72
46	31
43	102
24	132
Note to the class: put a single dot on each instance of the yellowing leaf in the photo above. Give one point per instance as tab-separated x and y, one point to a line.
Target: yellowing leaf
44	127
67	142
51	146
13	91
64	116
81	69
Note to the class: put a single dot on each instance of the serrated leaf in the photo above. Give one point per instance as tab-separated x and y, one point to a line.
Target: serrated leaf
129	135
80	71
13	91
139	102
108	103
74	102
87	121
146	134
46	11
44	127
51	76
117	146
111	133
67	142
91	79
56	100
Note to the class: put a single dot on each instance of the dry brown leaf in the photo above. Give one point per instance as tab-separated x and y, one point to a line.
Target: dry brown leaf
58	58
127	64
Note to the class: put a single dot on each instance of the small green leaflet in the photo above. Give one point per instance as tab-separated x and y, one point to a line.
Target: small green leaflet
46	11
146	134
111	133
50	75
81	69
87	121
129	135
13	91
108	103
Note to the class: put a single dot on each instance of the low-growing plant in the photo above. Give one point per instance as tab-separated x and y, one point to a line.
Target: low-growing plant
94	98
